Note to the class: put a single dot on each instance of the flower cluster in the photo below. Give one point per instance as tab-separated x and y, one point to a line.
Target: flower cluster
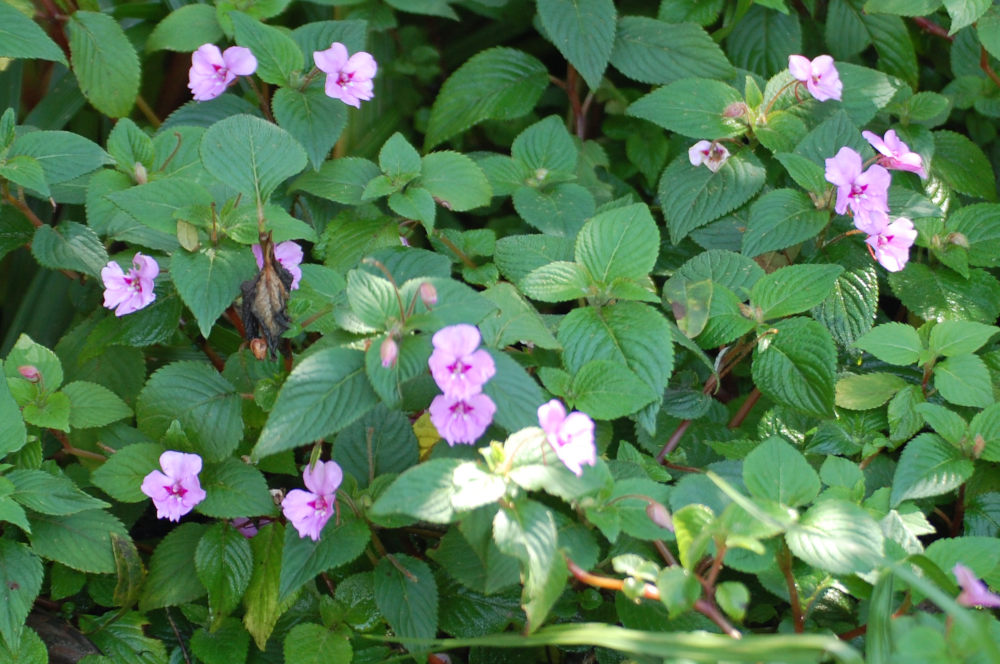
866	194
175	488
818	75
463	412
571	436
289	256
127	293
348	77
310	510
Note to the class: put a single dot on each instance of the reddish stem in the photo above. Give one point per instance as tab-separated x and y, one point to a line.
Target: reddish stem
932	28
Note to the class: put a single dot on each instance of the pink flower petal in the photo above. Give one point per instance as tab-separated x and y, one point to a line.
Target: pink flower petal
240	60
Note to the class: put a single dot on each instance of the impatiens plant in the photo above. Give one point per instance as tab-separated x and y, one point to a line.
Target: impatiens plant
602	331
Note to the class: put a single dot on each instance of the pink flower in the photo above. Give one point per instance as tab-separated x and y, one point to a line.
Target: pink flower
310	510
29	372
458	368
896	154
460	420
865	193
819	75
176	490
389	352
974	592
890	244
713	155
212	71
348	79
571	436
133	291
288	254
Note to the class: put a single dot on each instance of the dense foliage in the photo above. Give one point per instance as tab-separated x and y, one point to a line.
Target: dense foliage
599	330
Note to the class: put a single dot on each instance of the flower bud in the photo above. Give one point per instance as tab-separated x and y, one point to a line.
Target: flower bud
259	348
659	515
139	171
978	446
959	239
389	351
428	294
29	372
735	110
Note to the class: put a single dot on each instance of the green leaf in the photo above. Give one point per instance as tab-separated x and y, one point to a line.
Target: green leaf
93	405
797	367
693	107
408	599
81	540
895	343
515	393
866	91
323	394
313	119
121	475
27	172
423	492
838	537
861	392
627	333
340	180
63	155
129	145
20	581
185	29
902	7
13	435
303	559
20	37
849	310
793	289
49	494
50	412
734	271
534	469
104	61
229	643
454	180
928	466
988	30
380	443
605	390
939	294
556	282
692	197
70	246
620	243
308	643
986	424
762	40
277	54
583	31
559	210
209	280
234	489
651	51
825	141
780	219
958	337
545	149
515	320
776	471
318	35
159	203
399	160
414	203
679	589
964	380
261	596
223	562
170	581
527	531
980	224
945	422
203	402
807	174
27	351
963	166
251	155
496	84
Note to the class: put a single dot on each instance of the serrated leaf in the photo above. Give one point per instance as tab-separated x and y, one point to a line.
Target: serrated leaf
185	29
895	343
928	466
558	210
545	148
156	204
49	494
692	107
251	155
340	180
499	83
454	180
70	246
964	380
780	219
121	475
761	40
515	320
170	581
312	118
838	537
797	367
963	166
381	442
223	562
556	282
63	155
104	61
277	54
849	310
583	31
605	390
866	91
203	402
620	243
323	394
946	423
651	51
940	294
20	581
261	596
776	471
980	224
309	643
515	393
93	405
209	280
861	392
793	289
234	489
692	197
20	37
408	599
954	337
423	492
81	540
26	172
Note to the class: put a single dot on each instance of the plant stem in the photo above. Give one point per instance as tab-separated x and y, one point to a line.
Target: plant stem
147	111
785	565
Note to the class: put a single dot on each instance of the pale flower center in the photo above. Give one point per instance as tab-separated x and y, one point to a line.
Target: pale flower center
320	505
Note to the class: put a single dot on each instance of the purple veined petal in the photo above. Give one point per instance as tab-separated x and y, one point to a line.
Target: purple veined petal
362	65
324	478
876	142
332	60
799	67
974	591
844	168
307	512
155	485
336	91
179	465
258	254
458	340
287	253
551	416
461	420
207	57
239	60
822	65
698	153
146	267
